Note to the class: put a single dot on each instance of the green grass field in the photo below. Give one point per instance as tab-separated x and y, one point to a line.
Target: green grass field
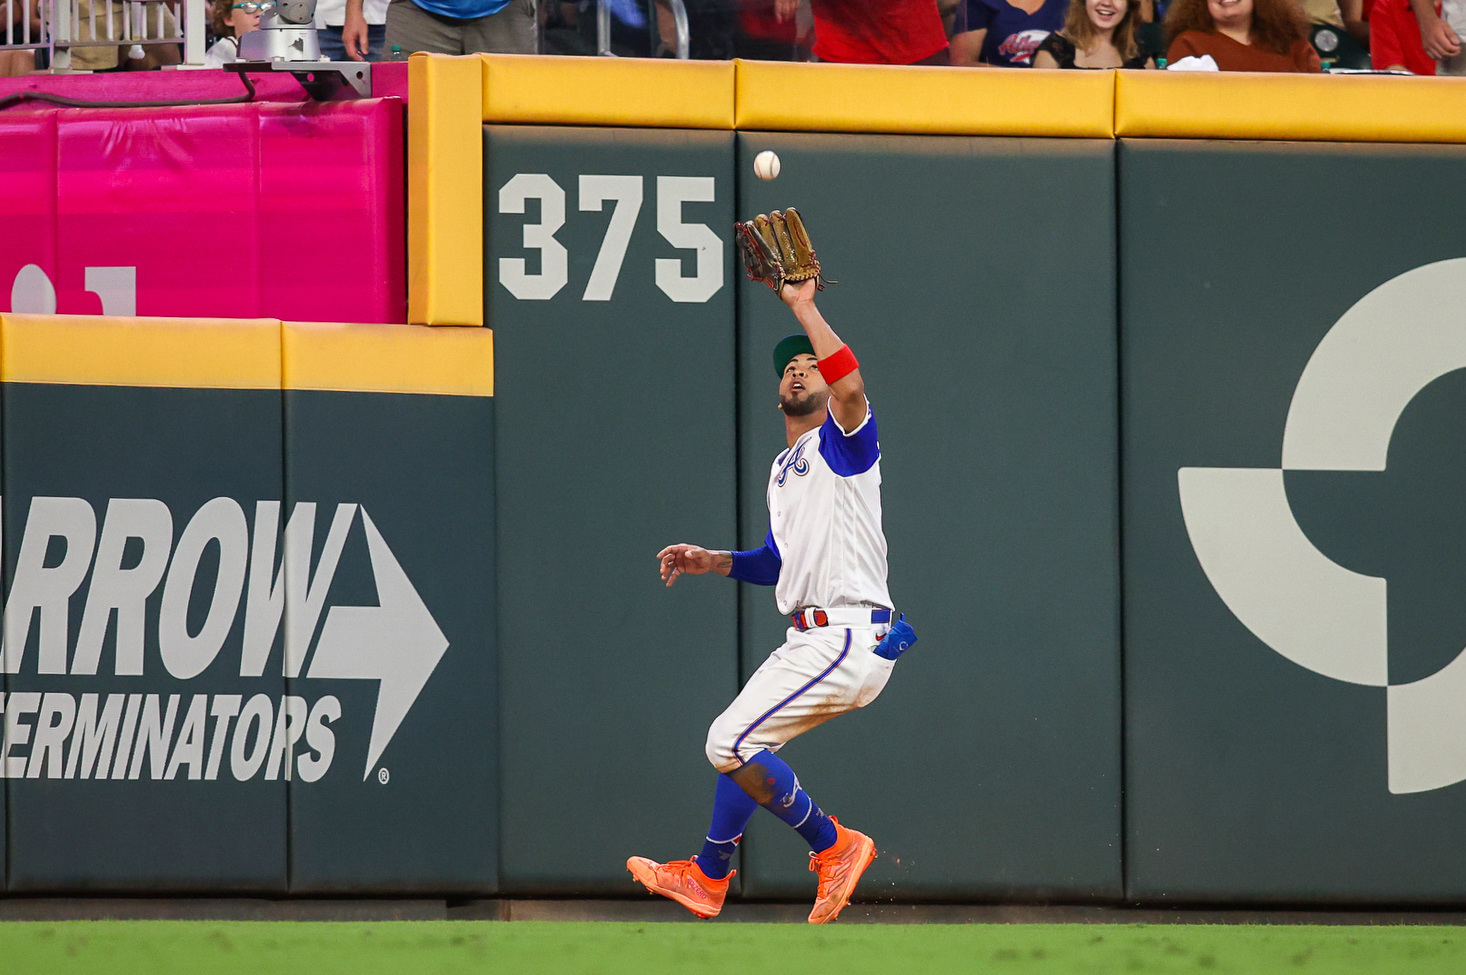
576	948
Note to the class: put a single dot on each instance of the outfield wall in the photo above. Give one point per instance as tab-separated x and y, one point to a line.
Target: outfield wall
1064	288
1139	352
257	654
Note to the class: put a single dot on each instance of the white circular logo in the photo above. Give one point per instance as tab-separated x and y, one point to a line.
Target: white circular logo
1390	345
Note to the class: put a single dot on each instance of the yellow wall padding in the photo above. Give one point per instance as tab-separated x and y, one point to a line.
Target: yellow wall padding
445	190
197	353
924	100
646	92
1340	108
389	359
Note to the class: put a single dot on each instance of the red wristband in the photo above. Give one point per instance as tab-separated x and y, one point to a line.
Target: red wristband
837	365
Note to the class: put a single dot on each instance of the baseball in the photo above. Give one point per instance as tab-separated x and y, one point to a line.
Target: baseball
766	165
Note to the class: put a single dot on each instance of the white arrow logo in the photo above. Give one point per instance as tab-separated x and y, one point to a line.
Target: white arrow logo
397	643
1390	345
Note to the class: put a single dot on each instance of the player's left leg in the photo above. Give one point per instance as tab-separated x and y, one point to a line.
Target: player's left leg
701	883
732	809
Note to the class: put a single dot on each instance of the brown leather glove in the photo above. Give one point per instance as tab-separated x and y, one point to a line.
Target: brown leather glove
776	250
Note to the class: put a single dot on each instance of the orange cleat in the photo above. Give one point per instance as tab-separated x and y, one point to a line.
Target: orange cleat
839	868
684	882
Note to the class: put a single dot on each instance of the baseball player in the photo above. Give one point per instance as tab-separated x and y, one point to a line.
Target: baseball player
826	555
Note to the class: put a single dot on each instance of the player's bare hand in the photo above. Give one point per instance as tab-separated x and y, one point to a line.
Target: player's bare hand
784	9
799	293
1439	40
674	560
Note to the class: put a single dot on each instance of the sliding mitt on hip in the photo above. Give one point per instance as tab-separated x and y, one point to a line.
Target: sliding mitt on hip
776	250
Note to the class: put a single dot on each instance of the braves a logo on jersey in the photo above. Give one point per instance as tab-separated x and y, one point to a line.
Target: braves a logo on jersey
793	461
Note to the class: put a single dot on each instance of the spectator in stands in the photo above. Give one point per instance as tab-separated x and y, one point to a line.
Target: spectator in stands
229	19
1397	34
1337	13
874	31
1004	33
448	27
93	23
14	63
1241	35
712	27
1096	34
1338	32
1323	12
331	30
770	32
1356	19
1441	35
1148	33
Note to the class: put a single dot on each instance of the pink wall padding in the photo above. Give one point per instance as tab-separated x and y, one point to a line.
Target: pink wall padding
389	79
27	200
332	206
258	210
159	86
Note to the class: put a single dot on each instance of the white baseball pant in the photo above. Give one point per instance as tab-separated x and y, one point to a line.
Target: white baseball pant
818	674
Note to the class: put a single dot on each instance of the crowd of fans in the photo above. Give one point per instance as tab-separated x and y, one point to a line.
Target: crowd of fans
1414	36
1407	36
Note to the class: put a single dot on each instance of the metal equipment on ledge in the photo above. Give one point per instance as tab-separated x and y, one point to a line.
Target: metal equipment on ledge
286	41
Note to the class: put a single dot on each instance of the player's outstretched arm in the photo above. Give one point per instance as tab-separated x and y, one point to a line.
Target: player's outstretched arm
681	558
847	394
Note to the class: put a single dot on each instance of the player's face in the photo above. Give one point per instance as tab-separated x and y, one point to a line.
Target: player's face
802	391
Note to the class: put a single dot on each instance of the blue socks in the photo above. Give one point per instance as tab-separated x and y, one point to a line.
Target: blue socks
792	804
732	808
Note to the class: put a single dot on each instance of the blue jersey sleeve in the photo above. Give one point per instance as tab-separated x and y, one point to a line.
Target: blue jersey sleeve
850	453
759	566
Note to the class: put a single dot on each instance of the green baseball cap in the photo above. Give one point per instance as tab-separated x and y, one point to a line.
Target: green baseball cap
790	346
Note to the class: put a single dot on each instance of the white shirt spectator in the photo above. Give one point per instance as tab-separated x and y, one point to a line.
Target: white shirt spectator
224	51
332	13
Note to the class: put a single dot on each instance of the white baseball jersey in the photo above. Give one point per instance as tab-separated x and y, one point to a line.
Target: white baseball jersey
825	519
825	550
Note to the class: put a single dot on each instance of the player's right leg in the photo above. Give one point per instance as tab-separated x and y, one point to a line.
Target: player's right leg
839	867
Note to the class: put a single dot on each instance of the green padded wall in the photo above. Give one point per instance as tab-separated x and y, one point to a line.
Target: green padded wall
615	437
1251	777
422	817
113	450
976	286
